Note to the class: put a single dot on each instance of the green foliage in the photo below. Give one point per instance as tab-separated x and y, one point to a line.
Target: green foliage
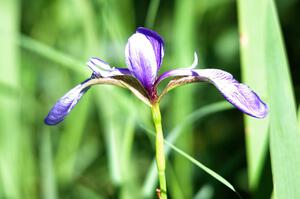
254	73
263	51
284	132
101	150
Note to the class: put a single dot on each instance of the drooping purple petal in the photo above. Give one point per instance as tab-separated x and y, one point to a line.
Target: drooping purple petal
102	69
144	53
65	104
240	95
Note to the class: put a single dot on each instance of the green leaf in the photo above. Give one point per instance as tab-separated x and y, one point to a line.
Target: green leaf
254	74
284	132
152	12
48	183
184	40
11	145
299	117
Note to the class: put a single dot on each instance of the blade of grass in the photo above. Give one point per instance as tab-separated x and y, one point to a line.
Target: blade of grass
30	115
65	60
175	183
48	182
112	136
68	144
129	189
106	110
152	12
206	191
10	118
117	20
197	115
299	117
196	162
183	37
76	125
203	167
254	74
284	134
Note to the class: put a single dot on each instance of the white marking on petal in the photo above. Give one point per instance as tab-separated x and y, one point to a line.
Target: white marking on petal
195	62
140	58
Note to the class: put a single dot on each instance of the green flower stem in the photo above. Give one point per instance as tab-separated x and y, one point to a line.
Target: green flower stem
160	155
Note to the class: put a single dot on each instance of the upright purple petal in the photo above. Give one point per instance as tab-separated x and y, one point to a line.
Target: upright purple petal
144	53
239	95
156	41
65	104
102	69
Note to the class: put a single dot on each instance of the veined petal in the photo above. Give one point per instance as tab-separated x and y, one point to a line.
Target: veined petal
102	69
239	95
156	41
144	53
65	104
179	72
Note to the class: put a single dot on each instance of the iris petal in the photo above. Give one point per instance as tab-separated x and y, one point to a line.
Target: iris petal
102	69
156	42
65	104
144	53
239	95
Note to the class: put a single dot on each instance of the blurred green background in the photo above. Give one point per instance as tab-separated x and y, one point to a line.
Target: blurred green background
102	149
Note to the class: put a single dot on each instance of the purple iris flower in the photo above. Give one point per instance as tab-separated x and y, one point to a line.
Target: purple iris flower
144	54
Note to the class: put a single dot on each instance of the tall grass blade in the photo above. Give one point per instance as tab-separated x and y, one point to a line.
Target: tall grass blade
43	50
152	12
183	37
284	132
75	128
202	166
299	117
174	134
254	74
284	135
196	162
48	186
69	142
10	117
118	22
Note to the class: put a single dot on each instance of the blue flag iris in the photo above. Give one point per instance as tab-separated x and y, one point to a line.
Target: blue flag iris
144	54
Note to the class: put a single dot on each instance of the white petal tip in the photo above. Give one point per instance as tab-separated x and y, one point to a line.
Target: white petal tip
195	62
